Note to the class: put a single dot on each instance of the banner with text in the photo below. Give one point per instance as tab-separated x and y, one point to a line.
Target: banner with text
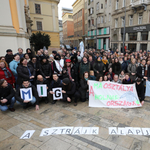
112	95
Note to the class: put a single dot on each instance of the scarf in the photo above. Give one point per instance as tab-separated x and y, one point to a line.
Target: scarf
59	64
144	70
69	72
86	79
6	72
105	61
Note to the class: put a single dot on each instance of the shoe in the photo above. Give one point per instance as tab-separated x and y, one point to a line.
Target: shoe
53	102
12	109
75	104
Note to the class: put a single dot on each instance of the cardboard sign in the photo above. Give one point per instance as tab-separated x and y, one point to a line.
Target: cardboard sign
112	95
42	90
57	93
27	134
26	94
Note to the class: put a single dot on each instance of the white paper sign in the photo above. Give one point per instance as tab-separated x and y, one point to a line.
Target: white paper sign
77	130
146	131
26	94
57	93
130	131
45	132
27	134
95	130
113	131
121	131
42	90
86	130
137	131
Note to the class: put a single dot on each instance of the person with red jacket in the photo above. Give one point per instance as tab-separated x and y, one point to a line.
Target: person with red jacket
6	73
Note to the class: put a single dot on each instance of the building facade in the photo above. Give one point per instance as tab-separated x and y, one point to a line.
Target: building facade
137	24
44	14
79	21
61	32
13	25
99	23
68	26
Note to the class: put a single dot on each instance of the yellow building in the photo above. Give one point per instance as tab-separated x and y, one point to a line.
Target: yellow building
14	31
44	14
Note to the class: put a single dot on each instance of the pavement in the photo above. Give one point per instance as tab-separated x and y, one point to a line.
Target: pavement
14	124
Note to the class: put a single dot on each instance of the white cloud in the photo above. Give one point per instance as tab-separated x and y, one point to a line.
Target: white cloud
66	4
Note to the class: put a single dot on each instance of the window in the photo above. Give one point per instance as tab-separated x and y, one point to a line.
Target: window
140	18
123	3
116	23
101	6
109	17
92	22
144	36
105	18
89	23
98	20
109	2
97	6
105	3
39	25
37	9
132	36
102	19
70	16
130	20
123	20
91	11
117	4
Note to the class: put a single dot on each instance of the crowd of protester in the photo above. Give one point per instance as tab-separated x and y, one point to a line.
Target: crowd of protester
70	71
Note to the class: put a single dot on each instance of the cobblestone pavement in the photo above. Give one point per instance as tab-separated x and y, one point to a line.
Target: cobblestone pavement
14	124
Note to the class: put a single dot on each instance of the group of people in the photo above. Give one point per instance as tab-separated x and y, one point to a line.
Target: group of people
69	71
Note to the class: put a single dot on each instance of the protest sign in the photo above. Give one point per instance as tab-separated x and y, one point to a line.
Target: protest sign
147	93
42	90
26	93
57	93
112	95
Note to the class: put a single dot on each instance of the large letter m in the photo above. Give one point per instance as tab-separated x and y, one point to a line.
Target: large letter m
28	92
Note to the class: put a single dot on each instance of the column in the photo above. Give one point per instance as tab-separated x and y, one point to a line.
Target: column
148	45
139	36
54	20
127	37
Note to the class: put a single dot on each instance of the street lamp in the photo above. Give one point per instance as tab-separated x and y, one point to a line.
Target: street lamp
124	27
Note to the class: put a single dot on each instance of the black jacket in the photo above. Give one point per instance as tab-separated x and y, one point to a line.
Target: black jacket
8	58
7	93
55	84
45	69
34	93
44	82
84	87
116	68
99	66
23	73
139	72
140	91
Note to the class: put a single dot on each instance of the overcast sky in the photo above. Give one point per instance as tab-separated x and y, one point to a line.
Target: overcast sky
66	4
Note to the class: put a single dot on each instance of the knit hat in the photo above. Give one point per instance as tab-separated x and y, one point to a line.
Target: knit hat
66	81
68	60
8	50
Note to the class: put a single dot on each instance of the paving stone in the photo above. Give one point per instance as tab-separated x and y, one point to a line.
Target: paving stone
120	148
83	147
145	146
55	144
103	133
136	145
74	148
29	147
4	134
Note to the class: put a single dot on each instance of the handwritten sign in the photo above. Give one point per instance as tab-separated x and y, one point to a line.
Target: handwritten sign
57	93
26	93
112	95
42	90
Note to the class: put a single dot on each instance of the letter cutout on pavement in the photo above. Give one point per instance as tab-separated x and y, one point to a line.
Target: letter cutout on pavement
121	131
113	131
27	134
146	131
77	130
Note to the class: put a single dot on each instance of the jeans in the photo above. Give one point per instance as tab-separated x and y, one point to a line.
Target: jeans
5	107
24	104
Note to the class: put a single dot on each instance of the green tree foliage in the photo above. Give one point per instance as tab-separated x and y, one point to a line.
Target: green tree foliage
39	40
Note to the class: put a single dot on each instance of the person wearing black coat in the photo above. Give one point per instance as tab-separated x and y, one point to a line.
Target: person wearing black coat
140	90
35	98
99	67
84	87
9	56
25	72
116	67
45	69
127	79
29	52
6	96
56	83
69	91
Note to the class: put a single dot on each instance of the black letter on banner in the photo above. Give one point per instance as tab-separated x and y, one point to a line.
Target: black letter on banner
57	94
113	131
129	131
46	132
68	131
62	130
77	131
27	135
54	131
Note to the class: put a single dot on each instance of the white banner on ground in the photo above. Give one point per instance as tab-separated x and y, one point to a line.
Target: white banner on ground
42	90
112	95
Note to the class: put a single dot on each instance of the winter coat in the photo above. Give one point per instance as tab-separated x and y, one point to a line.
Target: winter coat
148	73
99	66
124	66
83	89
140	91
9	58
23	73
13	67
127	81
34	66
7	93
132	68
34	93
116	67
45	69
10	80
84	67
139	71
55	84
21	55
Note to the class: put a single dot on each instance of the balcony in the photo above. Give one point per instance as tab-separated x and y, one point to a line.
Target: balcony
100	11
140	3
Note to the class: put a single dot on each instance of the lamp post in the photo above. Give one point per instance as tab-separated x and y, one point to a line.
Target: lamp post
124	31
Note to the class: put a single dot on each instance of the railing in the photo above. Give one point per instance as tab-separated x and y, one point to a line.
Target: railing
139	2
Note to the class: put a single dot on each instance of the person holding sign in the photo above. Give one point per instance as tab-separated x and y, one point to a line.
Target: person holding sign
84	92
69	91
56	83
27	97
6	96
